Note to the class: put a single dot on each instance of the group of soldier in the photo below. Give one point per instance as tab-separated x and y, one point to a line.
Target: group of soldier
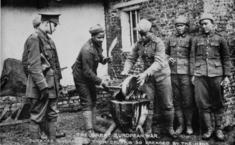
184	74
183	71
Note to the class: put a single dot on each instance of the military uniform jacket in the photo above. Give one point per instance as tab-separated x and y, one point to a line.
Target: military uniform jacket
38	44
210	56
85	66
153	56
179	48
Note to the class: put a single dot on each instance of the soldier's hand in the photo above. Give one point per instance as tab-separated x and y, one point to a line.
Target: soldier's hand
225	81
124	73
172	60
107	60
193	80
44	94
104	84
60	87
141	79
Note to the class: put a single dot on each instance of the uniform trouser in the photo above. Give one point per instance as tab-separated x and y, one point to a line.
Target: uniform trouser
209	96
87	94
43	115
183	98
45	109
160	91
182	92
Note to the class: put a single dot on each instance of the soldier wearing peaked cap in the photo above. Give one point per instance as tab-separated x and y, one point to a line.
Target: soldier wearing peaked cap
155	79
210	66
85	74
41	64
178	48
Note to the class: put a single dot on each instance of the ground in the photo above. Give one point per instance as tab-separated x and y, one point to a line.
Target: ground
72	124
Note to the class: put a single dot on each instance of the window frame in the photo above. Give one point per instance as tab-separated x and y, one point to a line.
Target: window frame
129	34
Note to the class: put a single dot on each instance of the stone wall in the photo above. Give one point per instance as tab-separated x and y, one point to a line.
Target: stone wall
162	14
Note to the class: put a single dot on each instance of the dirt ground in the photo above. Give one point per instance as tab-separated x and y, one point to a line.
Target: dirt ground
72	124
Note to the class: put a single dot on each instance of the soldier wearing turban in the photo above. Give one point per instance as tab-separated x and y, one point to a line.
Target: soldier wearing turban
155	80
85	74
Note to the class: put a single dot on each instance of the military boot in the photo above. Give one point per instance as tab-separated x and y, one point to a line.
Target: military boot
88	115
180	118
207	120
169	118
188	120
93	117
149	122
88	120
44	130
218	125
52	132
34	130
59	133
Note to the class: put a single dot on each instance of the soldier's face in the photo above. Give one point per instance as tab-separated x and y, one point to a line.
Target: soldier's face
180	28
143	37
52	27
98	38
207	25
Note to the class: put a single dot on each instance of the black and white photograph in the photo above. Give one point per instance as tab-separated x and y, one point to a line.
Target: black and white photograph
117	72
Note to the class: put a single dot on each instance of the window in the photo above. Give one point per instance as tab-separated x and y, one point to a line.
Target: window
134	19
129	21
129	15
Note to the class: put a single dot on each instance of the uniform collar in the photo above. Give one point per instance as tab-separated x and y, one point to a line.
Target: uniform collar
180	35
209	34
42	34
94	48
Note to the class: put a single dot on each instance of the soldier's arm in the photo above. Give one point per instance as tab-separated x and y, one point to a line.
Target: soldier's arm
160	60
34	63
225	57
103	60
131	58
87	67
57	65
168	50
25	59
192	55
57	62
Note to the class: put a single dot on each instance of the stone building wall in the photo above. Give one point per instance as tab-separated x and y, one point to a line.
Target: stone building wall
162	14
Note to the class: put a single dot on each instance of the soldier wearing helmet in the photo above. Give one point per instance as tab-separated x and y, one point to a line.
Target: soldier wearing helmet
207	16
210	66
178	49
155	79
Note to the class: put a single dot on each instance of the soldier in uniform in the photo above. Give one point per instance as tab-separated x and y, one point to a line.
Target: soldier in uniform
211	66
42	67
155	81
85	74
178	48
